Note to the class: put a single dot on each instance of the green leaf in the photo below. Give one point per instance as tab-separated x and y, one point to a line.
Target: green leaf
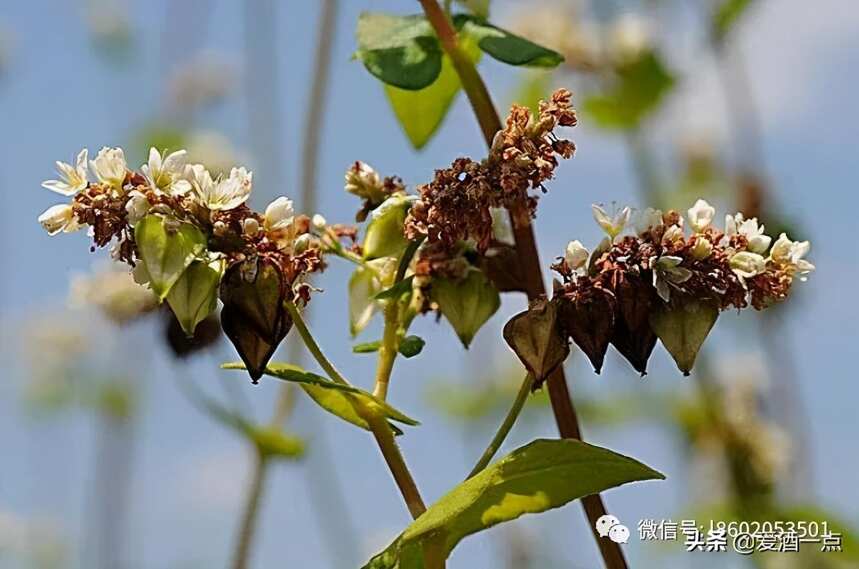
420	113
506	46
410	346
385	237
167	247
347	402
479	8
540	476
402	51
195	295
273	442
363	286
726	16
639	89
367	347
402	287
466	303
683	329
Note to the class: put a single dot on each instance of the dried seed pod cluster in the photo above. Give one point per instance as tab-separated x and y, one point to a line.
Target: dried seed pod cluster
191	239
457	204
661	283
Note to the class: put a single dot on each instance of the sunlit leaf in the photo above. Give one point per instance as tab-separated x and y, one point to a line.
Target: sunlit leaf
420	113
166	248
345	401
384	236
363	286
467	303
540	476
195	295
402	51
682	329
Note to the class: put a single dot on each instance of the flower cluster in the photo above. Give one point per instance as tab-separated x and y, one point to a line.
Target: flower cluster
457	204
192	239
635	288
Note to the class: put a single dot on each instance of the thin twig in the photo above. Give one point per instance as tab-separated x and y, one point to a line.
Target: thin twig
528	258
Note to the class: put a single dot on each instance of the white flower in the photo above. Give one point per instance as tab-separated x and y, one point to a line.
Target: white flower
749	228
319	222
666	271
702	248
73	178
612	225
109	166
161	173
59	218
648	219
137	207
279	214
673	234
747	264
630	37
576	255
197	176
701	215
363	181
250	226
225	193
790	254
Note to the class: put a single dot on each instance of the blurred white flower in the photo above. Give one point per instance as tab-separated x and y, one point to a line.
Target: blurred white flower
363	181
114	292
790	254
58	218
72	178
161	173
747	264
250	226
318	221
201	80
214	150
629	37
279	214
612	224
648	219
109	166
576	255
701	215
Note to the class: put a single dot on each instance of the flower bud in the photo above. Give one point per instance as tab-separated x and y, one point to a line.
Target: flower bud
137	207
702	249
701	215
250	226
576	255
747	264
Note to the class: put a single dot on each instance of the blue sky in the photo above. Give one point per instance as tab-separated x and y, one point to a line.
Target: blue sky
57	94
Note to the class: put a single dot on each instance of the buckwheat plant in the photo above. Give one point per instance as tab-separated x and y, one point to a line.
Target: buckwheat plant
445	249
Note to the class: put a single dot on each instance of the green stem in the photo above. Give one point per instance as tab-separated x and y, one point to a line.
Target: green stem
389	348
312	346
506	426
250	515
433	555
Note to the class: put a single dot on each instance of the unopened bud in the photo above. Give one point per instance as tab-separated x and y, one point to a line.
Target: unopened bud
250	226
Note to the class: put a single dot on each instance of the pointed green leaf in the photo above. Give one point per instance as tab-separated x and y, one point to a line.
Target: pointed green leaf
347	402
682	328
466	303
402	51
167	247
367	347
385	237
506	46
195	295
420	113
540	476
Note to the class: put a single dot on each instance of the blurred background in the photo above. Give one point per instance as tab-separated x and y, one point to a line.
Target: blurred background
112	456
